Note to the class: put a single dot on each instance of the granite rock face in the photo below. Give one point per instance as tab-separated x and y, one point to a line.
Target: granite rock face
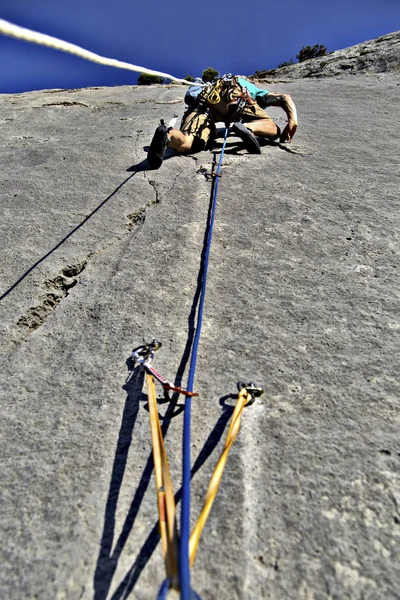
303	298
380	55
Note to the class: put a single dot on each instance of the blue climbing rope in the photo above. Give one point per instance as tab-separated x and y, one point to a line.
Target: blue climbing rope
184	563
164	591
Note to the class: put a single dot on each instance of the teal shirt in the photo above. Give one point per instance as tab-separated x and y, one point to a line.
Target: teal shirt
254	92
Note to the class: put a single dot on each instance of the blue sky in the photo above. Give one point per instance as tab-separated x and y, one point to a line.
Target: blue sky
179	36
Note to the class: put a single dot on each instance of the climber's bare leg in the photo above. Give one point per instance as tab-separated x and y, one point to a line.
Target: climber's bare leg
180	142
264	128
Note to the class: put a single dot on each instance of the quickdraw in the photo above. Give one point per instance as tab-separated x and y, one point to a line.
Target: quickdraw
144	355
248	392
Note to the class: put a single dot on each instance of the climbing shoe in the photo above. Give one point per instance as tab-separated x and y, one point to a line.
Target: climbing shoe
158	146
248	138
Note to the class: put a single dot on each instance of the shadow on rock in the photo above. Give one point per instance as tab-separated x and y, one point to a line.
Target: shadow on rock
214	145
281	145
144	165
230	147
74	230
107	561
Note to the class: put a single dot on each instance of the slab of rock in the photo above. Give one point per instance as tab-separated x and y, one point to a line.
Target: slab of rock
380	55
303	298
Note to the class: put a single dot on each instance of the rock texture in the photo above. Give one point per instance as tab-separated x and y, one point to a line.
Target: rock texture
303	298
380	55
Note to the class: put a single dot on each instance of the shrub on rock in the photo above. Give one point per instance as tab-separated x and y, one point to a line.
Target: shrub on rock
148	79
308	52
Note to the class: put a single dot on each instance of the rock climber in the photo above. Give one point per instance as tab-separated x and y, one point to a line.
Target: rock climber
232	100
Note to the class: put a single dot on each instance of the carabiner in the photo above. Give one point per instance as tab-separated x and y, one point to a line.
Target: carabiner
251	388
145	353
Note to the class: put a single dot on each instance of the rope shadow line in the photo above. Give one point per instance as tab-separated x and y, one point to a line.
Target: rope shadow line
74	230
107	561
133	387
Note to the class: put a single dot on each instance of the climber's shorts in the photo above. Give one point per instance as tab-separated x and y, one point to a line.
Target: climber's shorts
199	123
253	112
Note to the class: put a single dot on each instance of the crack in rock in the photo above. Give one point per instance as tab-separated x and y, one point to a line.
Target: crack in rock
176	178
66	103
176	101
144	101
58	289
136	218
153	184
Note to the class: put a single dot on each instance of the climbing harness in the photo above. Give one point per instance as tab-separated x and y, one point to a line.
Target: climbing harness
179	551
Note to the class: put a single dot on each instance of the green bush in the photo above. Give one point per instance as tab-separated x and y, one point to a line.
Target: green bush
189	78
209	74
147	79
287	63
308	52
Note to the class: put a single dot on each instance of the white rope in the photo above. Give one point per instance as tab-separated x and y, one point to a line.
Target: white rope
21	33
